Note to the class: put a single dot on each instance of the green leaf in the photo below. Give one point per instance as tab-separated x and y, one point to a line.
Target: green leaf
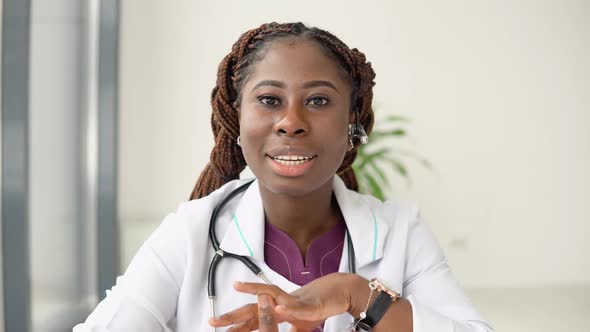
398	165
396	118
361	179
398	132
418	158
379	172
372	162
380	134
375	189
371	156
361	154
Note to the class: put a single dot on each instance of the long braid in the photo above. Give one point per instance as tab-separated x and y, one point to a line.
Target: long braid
362	76
226	161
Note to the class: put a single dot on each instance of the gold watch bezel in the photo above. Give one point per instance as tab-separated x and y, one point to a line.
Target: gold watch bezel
376	284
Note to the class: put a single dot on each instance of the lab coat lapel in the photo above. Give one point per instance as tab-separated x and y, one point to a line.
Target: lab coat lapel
366	228
368	231
245	232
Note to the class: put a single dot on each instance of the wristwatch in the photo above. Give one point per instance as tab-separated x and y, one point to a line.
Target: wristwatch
385	297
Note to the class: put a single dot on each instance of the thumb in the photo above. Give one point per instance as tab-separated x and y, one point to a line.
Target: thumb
266	315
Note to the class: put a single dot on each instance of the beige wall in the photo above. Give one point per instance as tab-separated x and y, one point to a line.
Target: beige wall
1	246
497	93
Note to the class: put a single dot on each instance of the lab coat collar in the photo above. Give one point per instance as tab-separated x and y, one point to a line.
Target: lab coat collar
367	231
245	233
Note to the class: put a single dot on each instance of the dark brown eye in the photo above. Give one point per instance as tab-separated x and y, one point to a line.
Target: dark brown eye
269	100
318	101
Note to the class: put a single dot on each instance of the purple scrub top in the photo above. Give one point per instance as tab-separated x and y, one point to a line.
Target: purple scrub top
282	255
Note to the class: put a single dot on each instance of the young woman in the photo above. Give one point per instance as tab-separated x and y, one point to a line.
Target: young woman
293	103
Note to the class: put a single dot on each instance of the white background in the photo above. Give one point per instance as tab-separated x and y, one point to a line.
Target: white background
497	93
498	97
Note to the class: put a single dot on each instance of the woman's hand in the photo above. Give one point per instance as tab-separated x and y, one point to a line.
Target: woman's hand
306	308
260	316
266	315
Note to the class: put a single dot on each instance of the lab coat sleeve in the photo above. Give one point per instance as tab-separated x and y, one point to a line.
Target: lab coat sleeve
145	297
438	301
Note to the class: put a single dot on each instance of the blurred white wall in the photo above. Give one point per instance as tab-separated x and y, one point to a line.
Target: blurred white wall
497	93
1	245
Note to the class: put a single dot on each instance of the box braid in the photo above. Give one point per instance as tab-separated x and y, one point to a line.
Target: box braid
226	161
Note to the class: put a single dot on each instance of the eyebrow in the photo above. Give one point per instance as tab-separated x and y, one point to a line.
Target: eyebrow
306	85
315	84
278	84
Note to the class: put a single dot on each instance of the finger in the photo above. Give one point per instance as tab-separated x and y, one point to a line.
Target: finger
303	318
306	329
298	312
266	314
257	289
250	325
242	314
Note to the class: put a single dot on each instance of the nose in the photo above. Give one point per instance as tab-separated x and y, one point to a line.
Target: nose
292	122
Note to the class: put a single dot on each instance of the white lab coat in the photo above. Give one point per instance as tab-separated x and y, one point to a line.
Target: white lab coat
165	286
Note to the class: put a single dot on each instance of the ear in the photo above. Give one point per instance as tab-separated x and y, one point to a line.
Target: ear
349	147
237	107
351	120
351	116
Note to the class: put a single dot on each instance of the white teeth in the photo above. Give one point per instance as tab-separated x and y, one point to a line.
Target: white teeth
296	158
291	162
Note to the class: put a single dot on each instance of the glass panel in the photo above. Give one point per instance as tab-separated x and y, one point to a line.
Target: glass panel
1	272
62	255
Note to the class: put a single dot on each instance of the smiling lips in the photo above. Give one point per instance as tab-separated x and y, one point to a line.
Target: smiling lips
291	166
291	160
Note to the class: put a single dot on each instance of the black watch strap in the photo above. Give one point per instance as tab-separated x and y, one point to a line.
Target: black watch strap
376	311
371	316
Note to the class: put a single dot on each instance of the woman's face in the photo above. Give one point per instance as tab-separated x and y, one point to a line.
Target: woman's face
294	115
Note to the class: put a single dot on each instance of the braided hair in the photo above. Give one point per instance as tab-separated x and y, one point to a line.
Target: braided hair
226	161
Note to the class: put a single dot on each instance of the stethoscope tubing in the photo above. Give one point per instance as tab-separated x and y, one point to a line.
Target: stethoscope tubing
220	254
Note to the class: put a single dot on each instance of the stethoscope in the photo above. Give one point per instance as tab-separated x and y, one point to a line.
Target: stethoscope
220	254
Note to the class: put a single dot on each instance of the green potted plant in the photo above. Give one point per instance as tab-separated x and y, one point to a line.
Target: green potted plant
381	153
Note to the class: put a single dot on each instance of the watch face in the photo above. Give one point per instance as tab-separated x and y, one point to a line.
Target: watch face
375	284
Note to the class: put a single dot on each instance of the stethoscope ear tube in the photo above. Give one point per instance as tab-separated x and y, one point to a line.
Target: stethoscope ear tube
211	276
215	262
218	208
219	254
